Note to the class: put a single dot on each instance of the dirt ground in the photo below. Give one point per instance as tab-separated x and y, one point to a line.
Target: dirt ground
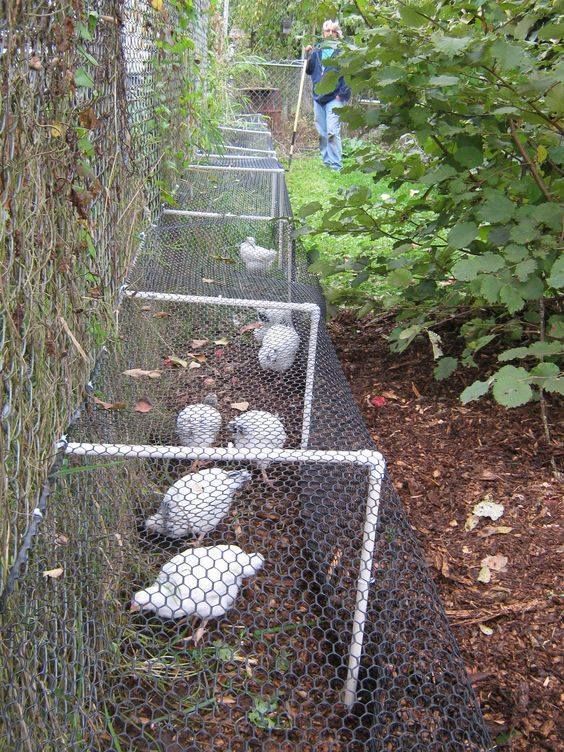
444	458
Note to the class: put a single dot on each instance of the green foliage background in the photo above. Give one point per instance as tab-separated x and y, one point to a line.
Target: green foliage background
475	216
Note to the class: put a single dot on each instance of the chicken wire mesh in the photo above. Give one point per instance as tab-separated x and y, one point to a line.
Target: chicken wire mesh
324	629
248	188
273	92
201	255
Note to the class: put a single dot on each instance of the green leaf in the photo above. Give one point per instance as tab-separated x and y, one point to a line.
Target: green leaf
467	269
546	370
469	156
475	391
511	386
444	80
308	209
411	16
496	209
549	214
513	354
556	278
515	253
444	368
328	83
510	56
524	269
510	297
491	285
556	326
490	262
554	100
400	278
462	235
555	384
82	79
444	172
524	232
451	46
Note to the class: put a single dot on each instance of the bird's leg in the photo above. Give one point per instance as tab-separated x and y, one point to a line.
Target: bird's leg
200	538
199	633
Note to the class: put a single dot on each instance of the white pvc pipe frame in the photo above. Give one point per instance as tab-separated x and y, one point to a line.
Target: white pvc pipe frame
310	308
371	460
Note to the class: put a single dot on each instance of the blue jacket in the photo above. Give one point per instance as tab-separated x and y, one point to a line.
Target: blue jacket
315	68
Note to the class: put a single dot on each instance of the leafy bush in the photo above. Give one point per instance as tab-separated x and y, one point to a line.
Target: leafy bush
477	220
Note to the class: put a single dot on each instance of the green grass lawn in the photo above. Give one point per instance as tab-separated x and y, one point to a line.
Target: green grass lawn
308	181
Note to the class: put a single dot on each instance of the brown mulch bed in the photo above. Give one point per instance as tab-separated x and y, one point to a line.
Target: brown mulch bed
444	458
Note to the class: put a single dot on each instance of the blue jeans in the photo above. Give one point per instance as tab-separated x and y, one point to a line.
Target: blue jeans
329	128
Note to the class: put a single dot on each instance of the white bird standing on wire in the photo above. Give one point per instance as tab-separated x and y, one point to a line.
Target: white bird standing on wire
270	317
203	582
279	347
255	257
198	425
258	429
196	504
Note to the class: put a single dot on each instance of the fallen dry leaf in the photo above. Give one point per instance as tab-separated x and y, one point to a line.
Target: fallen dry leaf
139	373
471	522
110	405
485	629
58	130
209	381
143	406
172	360
61	540
162	315
208	281
88	119
241	406
484	575
415	390
201	358
146	308
250	327
390	395
497	563
193	365
197	343
490	530
54	574
377	401
488	508
221	341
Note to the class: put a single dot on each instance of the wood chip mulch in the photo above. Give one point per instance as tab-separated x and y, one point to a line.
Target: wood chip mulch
444	458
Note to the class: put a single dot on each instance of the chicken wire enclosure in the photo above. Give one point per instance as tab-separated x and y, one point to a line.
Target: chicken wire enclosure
247	138
255	356
188	253
345	651
246	188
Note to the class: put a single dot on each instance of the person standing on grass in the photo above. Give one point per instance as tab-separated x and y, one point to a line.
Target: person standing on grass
326	106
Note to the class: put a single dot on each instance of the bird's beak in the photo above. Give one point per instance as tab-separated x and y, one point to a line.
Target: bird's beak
134	607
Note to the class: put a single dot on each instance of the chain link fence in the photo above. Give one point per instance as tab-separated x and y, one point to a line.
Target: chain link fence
218	559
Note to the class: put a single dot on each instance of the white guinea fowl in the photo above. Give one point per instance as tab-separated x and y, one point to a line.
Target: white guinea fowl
198	425
279	347
255	257
270	317
202	581
196	504
258	429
